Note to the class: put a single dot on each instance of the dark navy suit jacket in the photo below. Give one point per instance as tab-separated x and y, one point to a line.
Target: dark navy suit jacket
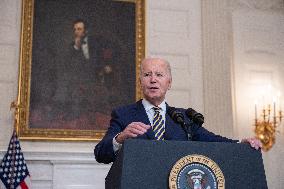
123	116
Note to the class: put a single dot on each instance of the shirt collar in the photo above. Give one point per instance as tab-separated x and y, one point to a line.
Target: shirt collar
85	40
148	106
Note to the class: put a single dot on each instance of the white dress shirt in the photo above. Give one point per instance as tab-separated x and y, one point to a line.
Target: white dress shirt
150	111
84	47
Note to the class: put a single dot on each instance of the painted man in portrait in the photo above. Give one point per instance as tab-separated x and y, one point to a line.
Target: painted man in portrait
89	70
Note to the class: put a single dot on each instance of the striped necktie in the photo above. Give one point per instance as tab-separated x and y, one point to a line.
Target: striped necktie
158	124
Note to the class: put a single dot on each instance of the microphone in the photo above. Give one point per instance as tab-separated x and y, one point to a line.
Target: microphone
176	115
195	116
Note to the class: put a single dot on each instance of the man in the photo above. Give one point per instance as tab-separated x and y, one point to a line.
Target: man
143	120
89	74
92	51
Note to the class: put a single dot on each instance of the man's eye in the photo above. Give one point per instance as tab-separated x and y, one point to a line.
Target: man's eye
147	74
159	75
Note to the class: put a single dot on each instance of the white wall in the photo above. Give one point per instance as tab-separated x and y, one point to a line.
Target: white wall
258	42
9	53
174	32
211	46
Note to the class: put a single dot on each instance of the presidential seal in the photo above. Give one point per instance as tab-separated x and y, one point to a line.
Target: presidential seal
196	172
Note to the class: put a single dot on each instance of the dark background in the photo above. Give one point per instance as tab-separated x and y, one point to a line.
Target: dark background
51	105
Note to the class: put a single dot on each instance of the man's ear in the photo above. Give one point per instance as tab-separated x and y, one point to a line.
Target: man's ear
170	84
140	82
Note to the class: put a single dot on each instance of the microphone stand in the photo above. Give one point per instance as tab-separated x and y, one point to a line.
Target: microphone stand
178	117
187	128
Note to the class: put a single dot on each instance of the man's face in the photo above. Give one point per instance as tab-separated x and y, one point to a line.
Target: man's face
79	30
155	80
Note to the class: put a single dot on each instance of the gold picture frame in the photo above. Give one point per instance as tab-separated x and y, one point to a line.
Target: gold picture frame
41	108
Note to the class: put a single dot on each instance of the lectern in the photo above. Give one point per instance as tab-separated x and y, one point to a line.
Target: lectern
145	164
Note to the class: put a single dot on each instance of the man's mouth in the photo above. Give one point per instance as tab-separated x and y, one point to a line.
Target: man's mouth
153	88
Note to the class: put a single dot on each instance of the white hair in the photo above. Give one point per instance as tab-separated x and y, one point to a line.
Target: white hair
157	58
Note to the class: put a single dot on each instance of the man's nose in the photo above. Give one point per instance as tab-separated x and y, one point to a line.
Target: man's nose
153	79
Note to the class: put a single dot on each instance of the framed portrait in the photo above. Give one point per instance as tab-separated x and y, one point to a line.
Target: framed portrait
79	59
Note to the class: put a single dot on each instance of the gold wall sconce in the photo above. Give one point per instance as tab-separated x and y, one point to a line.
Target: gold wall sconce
266	126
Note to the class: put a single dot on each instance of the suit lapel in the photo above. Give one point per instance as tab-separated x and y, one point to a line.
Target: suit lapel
141	115
170	125
173	131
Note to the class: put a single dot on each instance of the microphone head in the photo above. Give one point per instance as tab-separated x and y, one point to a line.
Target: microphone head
195	116
190	112
176	115
170	110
